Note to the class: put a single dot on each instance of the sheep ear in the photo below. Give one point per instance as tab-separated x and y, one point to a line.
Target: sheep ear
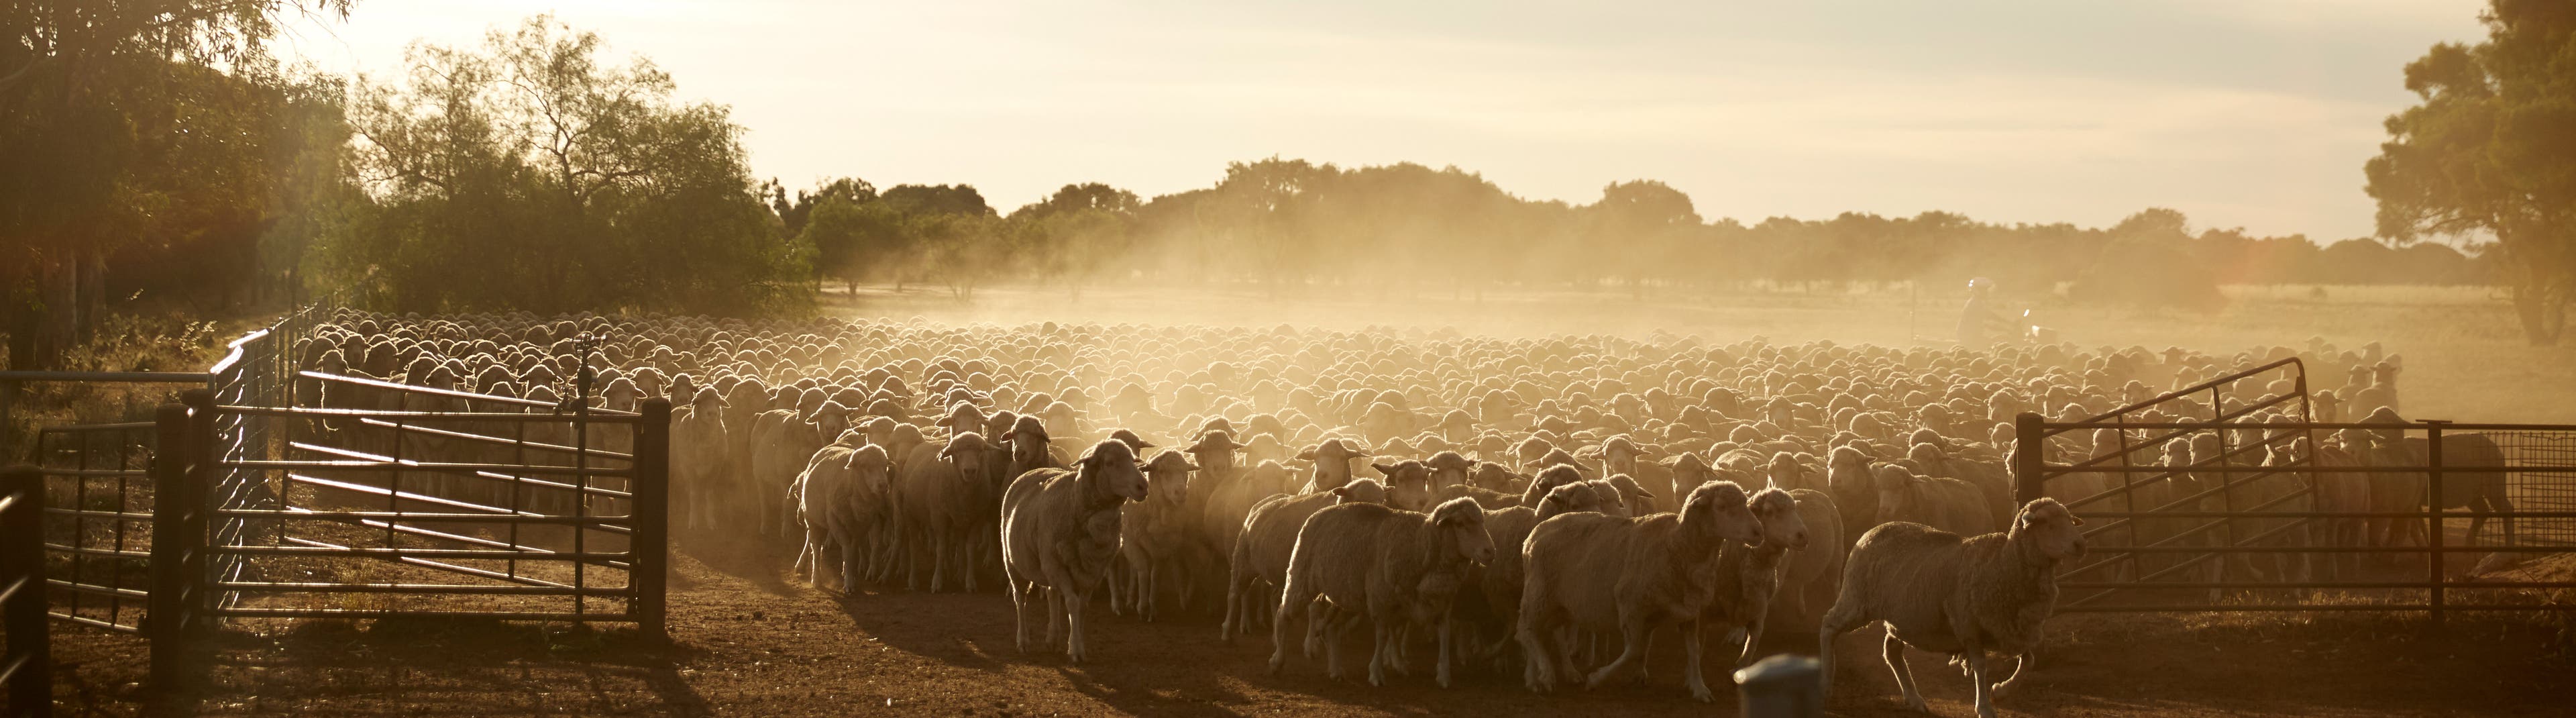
1387	469
1644	493
1307	455
2074	519
1342	491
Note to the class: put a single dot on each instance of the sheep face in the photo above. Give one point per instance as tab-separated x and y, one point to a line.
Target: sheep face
2051	529
870	467
970	454
1028	442
1781	524
1716	512
1169	474
1491	475
1449	467
1569	498
1408	484
1114	466
1631	494
1359	491
1462	524
1892	482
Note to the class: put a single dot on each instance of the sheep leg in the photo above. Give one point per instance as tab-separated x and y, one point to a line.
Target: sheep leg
1894	651
1234	605
1319	619
1538	669
1294	597
1633	629
1381	634
1692	677
1075	647
1752	638
1977	675
1442	671
1055	614
1019	590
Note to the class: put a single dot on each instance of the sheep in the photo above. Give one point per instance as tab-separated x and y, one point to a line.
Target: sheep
1269	537
946	496
697	459
1808	580
1629	575
1938	591
1153	534
1947	504
782	443
1059	529
1501	581
1853	485
1749	576
841	495
1400	567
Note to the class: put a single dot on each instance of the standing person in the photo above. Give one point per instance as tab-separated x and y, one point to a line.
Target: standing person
1979	325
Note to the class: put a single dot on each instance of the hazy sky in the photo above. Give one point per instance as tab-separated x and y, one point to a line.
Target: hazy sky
2251	113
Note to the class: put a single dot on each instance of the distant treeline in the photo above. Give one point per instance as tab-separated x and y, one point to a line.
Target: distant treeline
1294	223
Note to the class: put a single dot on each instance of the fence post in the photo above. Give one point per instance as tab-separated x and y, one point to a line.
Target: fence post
166	614
2029	458
195	505
652	517
2433	515
29	658
8	428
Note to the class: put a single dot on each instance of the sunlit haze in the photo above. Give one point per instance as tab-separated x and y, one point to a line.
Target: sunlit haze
2251	114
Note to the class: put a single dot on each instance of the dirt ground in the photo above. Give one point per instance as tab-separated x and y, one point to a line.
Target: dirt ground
745	641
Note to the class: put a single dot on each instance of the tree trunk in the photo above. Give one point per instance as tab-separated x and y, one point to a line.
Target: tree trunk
2542	311
90	275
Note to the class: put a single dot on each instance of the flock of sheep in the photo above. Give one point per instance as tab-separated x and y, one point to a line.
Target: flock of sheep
1536	507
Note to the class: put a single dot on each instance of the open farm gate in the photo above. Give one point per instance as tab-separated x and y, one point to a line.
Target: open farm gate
250	496
2232	495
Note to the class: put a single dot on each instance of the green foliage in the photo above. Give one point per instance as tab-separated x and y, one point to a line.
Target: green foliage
2492	151
529	174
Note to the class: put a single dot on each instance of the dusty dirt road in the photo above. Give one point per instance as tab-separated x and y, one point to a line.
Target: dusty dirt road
751	644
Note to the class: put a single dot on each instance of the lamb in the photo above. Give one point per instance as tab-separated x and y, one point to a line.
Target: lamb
1059	529
1269	537
1154	534
1947	504
1966	597
1630	575
1403	568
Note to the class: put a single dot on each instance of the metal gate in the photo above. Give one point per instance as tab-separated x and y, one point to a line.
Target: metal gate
2228	496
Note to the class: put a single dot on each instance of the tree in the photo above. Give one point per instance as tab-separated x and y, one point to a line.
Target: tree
2492	151
529	174
851	237
125	122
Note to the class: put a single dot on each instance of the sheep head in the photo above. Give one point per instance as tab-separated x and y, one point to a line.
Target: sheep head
1169	472
1462	523
968	451
1450	467
1781	524
1893	483
870	467
1113	467
1408	484
1364	491
1631	494
1568	498
2047	527
1716	512
1028	442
